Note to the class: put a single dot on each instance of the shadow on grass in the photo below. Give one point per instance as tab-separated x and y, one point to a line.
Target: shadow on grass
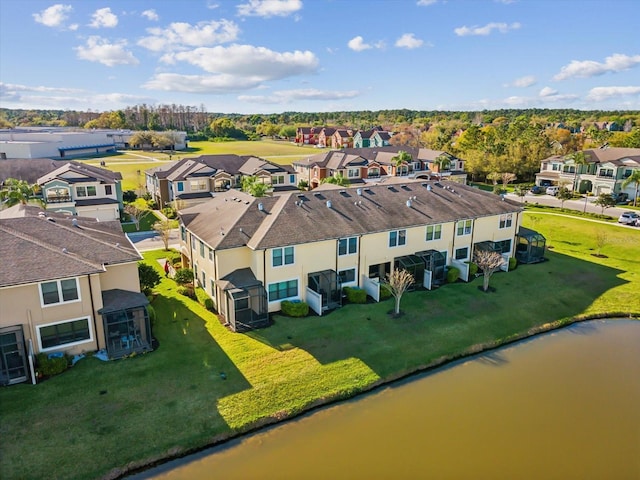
448	321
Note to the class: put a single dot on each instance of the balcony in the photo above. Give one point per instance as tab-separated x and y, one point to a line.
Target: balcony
58	198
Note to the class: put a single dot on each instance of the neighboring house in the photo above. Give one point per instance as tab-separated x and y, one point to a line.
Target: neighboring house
67	284
324	137
605	171
380	139
308	135
249	254
376	163
362	138
342	138
80	189
196	179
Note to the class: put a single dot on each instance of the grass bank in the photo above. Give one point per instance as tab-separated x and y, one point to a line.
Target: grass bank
205	383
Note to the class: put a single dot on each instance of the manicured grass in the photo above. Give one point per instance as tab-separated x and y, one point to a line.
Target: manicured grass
99	417
146	224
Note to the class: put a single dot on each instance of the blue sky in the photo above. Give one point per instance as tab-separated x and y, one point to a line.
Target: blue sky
272	56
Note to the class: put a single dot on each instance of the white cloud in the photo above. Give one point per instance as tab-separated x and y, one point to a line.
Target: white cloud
247	60
151	15
100	50
425	3
590	68
54	16
357	44
103	17
269	8
289	96
408	40
547	92
604	93
211	84
487	29
522	82
180	35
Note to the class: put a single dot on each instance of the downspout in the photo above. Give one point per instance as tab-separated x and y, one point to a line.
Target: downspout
93	312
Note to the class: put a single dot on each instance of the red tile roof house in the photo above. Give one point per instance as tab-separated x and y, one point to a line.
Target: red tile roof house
68	285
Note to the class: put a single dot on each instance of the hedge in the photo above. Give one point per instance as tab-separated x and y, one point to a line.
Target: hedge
452	274
355	294
294	309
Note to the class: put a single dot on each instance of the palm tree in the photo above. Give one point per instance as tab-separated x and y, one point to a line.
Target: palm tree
15	191
633	178
401	159
443	162
337	179
579	159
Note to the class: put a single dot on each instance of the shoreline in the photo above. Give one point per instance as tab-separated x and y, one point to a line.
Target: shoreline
135	468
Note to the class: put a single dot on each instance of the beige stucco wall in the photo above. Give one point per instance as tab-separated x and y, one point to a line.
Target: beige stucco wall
123	276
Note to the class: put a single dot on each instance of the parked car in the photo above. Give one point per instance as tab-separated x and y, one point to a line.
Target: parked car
536	189
620	197
553	190
629	218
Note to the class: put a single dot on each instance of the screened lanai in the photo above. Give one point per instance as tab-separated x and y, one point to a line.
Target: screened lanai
326	284
245	301
530	246
436	263
412	264
126	323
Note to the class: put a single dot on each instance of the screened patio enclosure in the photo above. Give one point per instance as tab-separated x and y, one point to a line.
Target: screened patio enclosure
127	328
13	359
530	247
245	301
436	263
326	284
412	264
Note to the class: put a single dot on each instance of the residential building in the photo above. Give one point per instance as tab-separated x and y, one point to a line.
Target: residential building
362	138
68	285
342	138
605	171
249	254
308	135
194	180
81	189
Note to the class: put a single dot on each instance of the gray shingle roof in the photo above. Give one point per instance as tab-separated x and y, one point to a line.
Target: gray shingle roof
83	171
295	218
35	248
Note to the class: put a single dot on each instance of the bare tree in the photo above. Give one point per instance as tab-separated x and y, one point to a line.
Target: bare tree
163	228
507	178
136	212
601	240
397	282
488	261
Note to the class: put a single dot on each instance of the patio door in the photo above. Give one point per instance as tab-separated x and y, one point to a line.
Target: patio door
13	361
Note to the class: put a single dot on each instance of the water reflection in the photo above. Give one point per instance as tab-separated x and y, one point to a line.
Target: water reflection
563	406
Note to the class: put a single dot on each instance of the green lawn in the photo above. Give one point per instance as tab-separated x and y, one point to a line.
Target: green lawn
100	417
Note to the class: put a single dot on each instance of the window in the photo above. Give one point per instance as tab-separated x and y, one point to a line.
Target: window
277	179
347	276
58	194
282	290
434	232
569	169
397	238
211	254
606	172
505	220
108	190
181	186
462	253
282	256
201	248
64	333
199	185
555	167
213	289
183	233
503	246
374	172
348	246
292	179
59	291
88	191
353	173
463	227
203	282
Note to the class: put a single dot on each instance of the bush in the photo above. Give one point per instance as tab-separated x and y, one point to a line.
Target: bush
513	263
384	292
452	274
187	291
355	294
152	315
202	296
183	276
473	268
169	212
209	304
51	366
294	309
499	190
148	277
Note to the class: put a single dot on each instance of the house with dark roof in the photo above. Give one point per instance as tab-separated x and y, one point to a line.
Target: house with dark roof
249	254
605	171
370	165
68	285
77	188
194	180
362	138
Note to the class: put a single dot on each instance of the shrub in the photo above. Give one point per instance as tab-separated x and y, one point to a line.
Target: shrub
187	291
152	315
209	304
452	274
384	292
183	276
51	366
513	263
169	212
473	268
355	294
294	309
148	277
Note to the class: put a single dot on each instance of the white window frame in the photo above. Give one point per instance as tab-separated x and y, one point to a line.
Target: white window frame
465	225
353	173
506	220
297	295
283	256
400	234
61	300
64	345
348	250
85	190
455	254
436	232
199	185
355	276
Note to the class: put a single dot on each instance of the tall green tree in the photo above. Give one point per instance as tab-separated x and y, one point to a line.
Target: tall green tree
579	160
16	191
634	178
254	186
